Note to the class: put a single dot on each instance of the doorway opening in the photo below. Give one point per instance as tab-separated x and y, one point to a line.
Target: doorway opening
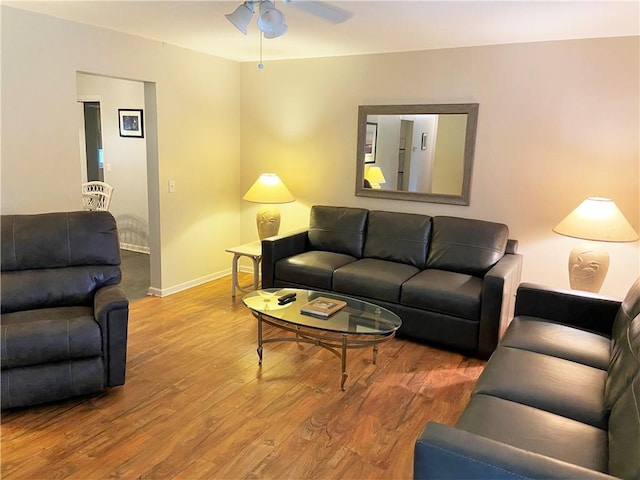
129	165
93	141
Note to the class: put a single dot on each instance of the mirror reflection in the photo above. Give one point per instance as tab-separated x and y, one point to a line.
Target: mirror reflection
416	152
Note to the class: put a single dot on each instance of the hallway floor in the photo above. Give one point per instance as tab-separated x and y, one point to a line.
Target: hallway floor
135	274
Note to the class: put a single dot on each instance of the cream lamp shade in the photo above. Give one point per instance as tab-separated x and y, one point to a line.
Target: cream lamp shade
375	177
596	219
268	189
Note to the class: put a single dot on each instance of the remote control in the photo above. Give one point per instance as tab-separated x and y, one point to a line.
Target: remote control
286	300
287	296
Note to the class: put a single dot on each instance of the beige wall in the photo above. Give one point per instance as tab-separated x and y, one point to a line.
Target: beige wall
198	133
448	164
558	122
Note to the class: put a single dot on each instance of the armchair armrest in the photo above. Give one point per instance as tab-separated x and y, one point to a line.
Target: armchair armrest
445	452
111	311
277	247
572	307
498	299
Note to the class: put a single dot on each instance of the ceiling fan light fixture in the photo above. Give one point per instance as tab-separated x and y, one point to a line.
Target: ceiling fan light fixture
277	33
271	20
241	16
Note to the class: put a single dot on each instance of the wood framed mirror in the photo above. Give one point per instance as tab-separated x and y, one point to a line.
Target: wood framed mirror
422	153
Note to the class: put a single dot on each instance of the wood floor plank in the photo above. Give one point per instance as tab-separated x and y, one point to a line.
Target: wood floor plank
196	404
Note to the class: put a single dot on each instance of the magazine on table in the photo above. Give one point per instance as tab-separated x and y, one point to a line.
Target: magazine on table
322	306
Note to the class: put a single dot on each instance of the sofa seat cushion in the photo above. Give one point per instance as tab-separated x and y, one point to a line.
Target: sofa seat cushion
444	292
314	268
549	383
536	430
550	338
49	335
373	278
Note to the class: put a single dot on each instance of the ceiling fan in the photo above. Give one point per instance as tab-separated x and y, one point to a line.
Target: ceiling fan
271	20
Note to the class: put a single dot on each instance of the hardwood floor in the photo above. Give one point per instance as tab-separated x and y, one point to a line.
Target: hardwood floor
197	406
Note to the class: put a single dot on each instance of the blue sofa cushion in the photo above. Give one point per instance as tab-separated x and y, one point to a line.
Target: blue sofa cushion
444	292
49	335
62	239
398	237
466	246
337	229
49	382
55	287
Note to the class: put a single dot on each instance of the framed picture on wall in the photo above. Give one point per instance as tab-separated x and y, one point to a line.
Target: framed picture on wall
370	142
131	123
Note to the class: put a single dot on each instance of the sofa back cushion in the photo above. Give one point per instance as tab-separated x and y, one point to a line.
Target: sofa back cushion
53	240
398	237
337	229
57	259
466	246
625	346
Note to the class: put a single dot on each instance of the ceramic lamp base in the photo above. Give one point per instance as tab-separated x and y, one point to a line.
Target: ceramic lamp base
588	266
268	221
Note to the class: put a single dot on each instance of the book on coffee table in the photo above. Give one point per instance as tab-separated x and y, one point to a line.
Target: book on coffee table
322	306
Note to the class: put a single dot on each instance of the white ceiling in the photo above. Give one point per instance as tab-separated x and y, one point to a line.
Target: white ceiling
374	27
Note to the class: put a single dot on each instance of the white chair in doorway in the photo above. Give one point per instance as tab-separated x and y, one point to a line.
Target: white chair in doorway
96	195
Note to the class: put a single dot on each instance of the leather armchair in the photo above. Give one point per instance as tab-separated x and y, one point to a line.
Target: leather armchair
64	315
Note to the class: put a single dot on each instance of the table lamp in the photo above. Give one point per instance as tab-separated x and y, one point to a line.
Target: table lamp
597	219
375	177
268	189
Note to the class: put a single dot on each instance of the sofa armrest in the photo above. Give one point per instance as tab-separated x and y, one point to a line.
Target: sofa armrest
445	452
277	247
498	299
111	311
584	310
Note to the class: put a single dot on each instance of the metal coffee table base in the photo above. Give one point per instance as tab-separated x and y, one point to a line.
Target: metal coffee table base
336	343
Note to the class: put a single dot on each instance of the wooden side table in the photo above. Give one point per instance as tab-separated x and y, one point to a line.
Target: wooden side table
252	250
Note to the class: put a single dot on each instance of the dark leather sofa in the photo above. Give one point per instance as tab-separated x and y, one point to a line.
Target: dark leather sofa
559	398
64	316
451	280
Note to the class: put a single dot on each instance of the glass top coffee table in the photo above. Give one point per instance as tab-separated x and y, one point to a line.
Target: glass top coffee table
358	325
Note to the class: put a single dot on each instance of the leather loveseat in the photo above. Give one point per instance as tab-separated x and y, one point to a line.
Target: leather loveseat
559	398
451	280
64	316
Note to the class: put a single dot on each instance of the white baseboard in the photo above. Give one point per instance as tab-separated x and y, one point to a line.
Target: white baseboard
163	292
135	248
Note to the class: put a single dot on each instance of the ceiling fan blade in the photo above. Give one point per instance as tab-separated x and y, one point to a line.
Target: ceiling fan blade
322	10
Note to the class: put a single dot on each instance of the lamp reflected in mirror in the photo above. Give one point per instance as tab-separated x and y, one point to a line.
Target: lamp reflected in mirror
374	177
